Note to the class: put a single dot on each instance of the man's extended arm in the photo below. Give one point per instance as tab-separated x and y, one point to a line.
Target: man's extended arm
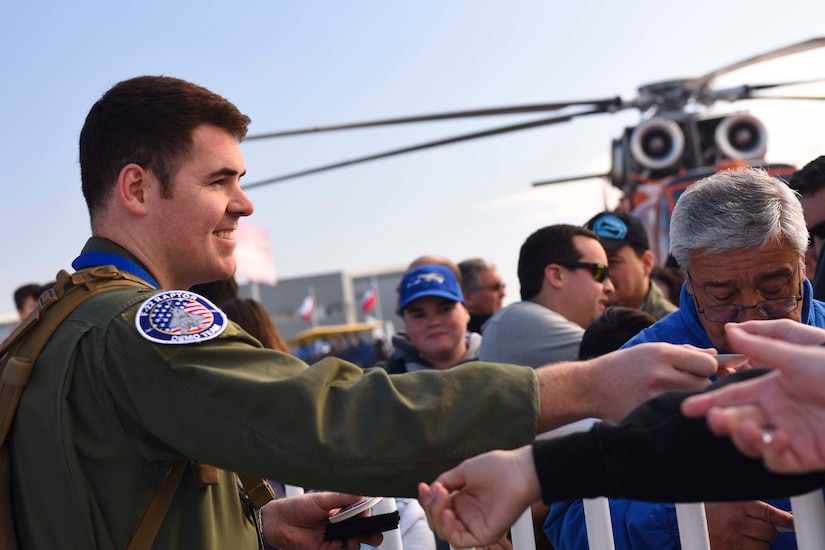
654	454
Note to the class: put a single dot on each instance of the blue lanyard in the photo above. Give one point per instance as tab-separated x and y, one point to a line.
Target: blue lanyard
89	259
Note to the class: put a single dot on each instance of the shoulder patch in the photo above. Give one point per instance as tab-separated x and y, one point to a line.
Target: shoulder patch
179	317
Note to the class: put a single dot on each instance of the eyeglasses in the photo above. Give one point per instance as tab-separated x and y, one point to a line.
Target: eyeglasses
729	313
599	272
492	288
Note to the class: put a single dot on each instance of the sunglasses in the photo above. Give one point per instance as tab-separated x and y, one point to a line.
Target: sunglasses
599	272
492	288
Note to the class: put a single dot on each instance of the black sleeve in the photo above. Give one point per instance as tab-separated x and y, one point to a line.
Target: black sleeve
657	454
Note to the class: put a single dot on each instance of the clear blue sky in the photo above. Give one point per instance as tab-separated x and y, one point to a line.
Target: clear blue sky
296	64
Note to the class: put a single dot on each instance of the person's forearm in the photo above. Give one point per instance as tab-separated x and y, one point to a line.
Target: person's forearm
656	454
563	394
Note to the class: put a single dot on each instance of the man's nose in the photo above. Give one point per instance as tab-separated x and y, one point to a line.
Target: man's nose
608	286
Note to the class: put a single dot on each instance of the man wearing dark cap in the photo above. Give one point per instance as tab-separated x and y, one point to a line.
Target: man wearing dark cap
628	252
810	183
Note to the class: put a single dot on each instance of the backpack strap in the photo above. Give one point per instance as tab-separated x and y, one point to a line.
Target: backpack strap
152	519
257	490
18	353
27	340
20	349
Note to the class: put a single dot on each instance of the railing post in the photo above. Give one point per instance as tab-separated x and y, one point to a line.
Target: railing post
598	524
693	526
809	520
521	533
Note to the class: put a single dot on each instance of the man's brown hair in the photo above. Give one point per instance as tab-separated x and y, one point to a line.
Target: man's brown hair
149	121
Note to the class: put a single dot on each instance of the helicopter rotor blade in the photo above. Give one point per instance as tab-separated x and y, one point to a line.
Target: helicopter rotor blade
800	97
756	87
428	145
518	109
745	91
565	180
697	84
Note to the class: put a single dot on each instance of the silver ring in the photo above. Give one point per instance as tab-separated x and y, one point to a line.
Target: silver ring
767	436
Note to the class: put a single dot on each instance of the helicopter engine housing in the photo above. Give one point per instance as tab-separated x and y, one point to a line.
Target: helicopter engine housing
657	144
741	137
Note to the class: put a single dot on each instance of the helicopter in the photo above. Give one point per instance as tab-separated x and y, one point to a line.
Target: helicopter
679	139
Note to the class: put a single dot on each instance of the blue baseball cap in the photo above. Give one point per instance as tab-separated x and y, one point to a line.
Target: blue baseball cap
429	280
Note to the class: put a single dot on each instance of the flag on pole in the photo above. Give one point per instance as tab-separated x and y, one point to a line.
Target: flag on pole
306	308
253	254
368	301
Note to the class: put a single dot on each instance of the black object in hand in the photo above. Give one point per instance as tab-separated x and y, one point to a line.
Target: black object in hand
362	526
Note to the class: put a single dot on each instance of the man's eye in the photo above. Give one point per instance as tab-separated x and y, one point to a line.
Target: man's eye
774	293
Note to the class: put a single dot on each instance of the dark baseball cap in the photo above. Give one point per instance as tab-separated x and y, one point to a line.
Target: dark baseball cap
618	229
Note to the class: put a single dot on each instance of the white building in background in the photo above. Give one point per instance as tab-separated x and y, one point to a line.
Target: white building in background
337	296
7	322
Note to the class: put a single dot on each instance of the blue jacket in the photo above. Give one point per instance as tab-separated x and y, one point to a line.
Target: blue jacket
644	525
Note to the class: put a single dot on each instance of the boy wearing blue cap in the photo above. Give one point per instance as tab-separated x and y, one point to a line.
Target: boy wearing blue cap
435	321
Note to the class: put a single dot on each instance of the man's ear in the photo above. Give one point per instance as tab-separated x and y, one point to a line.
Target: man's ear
648	260
554	276
688	283
132	188
469	297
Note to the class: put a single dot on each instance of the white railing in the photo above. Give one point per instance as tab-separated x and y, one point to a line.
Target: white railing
808	511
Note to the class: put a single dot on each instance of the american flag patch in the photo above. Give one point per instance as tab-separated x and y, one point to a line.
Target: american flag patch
179	317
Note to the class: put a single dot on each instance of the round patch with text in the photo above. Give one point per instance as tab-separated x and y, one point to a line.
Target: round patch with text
179	317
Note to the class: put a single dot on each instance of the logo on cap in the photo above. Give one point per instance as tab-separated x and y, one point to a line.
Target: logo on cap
427	278
610	227
179	317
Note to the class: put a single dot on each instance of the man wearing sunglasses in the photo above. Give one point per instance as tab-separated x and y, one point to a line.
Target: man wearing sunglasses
564	281
628	250
810	183
740	238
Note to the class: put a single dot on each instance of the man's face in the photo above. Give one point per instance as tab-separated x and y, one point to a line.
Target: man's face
436	327
584	296
813	206
486	299
630	276
29	303
744	277
195	227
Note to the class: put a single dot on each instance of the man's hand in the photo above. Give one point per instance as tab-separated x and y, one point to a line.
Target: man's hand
610	386
778	416
298	522
475	503
744	525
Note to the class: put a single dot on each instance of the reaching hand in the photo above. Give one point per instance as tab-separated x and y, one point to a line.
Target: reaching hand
475	503
749	525
298	522
631	376
778	416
